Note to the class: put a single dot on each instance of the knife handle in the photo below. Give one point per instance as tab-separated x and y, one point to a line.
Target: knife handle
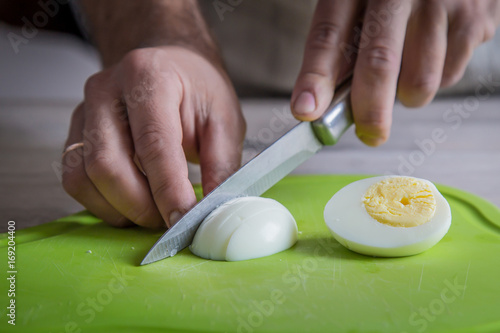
337	118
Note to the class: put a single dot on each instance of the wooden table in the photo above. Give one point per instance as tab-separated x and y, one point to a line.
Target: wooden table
465	155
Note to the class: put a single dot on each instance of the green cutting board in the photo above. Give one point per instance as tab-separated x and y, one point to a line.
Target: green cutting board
79	275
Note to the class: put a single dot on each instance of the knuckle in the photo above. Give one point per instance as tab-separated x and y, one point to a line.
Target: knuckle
234	126
91	84
314	75
434	10
375	119
463	13
135	59
78	112
139	217
144	217
99	164
489	31
217	172
380	57
426	84
118	222
434	4
165	187
94	83
138	70
470	37
138	65
451	76
324	35
73	181
149	142
468	32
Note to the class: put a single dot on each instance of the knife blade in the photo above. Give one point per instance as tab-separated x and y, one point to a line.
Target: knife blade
262	172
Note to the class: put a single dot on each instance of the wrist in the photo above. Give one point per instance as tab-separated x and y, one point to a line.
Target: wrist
119	27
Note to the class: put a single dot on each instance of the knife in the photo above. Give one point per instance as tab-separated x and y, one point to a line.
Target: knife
263	171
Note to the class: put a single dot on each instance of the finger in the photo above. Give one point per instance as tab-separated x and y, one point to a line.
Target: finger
324	58
377	68
463	37
157	132
110	163
75	180
424	55
221	144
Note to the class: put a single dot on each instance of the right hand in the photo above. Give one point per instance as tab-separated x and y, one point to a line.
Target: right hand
404	48
163	106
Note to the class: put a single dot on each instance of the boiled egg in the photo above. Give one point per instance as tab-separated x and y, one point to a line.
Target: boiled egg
388	216
245	228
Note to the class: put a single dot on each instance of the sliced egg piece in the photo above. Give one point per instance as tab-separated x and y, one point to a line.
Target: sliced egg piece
388	216
245	228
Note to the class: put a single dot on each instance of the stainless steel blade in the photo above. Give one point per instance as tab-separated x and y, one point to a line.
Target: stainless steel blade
253	179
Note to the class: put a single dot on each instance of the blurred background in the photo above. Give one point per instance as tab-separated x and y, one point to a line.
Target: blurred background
45	60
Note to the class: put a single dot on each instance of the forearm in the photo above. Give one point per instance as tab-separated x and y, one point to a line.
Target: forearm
118	26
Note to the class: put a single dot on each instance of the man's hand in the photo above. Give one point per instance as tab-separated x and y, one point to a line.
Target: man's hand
147	113
163	105
404	48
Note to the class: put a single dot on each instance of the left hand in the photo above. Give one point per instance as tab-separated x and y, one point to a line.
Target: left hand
408	48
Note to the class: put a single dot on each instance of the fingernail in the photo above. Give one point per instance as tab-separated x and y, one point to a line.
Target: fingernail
173	218
305	103
371	141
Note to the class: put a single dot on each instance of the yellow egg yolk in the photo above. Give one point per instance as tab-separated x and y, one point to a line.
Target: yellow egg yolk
400	202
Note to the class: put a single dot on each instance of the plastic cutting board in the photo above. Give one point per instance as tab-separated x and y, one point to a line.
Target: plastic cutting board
79	275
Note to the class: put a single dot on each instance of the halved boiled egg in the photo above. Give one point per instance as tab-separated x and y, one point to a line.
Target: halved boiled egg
388	216
245	228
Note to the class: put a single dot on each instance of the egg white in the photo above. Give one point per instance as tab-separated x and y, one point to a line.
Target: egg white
352	226
245	228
